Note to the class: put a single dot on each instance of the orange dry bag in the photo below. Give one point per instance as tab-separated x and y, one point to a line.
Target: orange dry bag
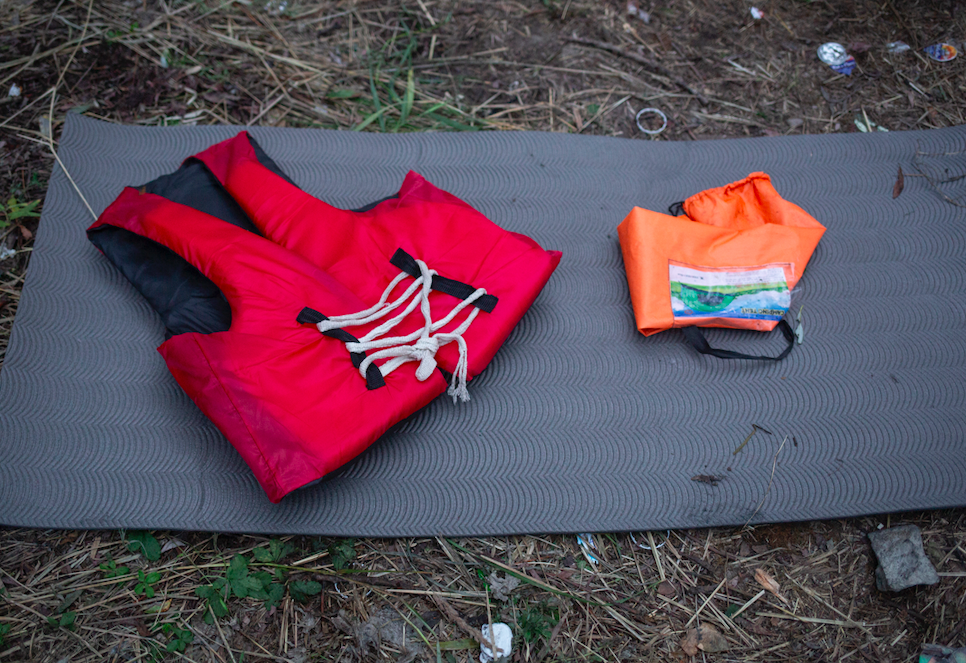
731	261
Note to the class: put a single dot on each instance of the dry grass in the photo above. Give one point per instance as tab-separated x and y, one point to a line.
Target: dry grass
559	65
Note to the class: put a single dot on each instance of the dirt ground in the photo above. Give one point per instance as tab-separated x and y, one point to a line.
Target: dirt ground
572	66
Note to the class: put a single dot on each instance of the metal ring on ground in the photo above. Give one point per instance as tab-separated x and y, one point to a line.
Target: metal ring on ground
652	132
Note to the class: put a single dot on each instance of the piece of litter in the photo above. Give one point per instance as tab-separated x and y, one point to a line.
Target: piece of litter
897	47
941	52
586	543
647	547
799	329
835	56
846	67
832	53
865	125
902	561
501	639
172	544
634	10
163	61
14	91
940	654
652	132
6	253
757	14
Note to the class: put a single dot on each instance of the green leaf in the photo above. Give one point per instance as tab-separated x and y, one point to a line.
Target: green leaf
303	590
407	105
275	551
238	576
275	594
20	210
342	553
377	104
343	94
152	577
732	609
453	124
68	601
146	543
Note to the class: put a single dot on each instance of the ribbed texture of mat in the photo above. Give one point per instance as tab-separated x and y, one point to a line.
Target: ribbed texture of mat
580	423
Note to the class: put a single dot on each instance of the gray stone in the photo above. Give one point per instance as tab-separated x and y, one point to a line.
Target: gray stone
902	562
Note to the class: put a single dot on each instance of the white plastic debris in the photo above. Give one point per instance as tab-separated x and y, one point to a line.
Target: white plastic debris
651	111
14	91
757	14
502	639
634	10
586	543
6	253
897	47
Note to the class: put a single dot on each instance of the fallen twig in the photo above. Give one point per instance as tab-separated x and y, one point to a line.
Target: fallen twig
640	59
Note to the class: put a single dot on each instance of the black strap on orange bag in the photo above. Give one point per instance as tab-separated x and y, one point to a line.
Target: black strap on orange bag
696	338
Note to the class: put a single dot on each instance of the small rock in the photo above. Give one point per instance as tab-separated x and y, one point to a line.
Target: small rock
795	122
666	588
902	562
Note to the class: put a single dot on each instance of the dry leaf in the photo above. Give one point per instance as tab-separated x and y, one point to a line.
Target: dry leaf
769	583
704	637
900	183
24	232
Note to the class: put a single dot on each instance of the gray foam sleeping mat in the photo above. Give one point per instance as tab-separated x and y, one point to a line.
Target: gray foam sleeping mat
580	423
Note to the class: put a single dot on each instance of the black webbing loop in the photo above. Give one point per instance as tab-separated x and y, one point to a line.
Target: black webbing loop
696	338
676	209
374	379
457	289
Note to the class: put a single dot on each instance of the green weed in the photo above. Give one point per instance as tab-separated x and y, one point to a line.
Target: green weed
63	620
112	570
4	629
14	209
342	552
180	637
146	582
536	622
145	543
303	590
275	552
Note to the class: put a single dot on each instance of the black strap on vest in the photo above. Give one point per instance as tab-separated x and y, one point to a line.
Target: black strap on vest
676	209
374	378
457	289
696	338
407	264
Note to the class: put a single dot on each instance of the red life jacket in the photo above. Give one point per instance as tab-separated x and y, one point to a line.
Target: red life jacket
291	400
426	222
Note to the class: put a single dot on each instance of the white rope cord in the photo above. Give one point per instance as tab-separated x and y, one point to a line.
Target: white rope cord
424	344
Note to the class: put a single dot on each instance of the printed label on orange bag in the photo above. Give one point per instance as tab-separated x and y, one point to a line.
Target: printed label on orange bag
758	292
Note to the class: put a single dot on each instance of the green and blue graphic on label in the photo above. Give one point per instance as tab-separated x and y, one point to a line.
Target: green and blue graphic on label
750	293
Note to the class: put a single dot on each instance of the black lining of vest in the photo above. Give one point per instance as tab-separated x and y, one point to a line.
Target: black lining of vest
458	289
374	378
